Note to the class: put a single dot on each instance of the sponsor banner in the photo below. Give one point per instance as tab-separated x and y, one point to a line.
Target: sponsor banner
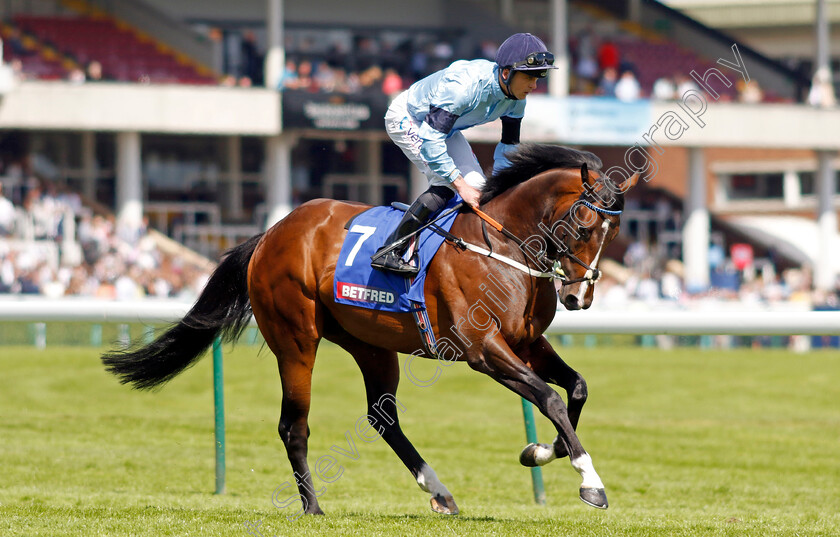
572	120
363	293
577	120
327	111
597	120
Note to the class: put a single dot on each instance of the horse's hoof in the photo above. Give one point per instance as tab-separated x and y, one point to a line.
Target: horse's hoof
528	457
444	505
595	497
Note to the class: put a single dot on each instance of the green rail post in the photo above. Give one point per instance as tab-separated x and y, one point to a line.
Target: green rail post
40	335
148	334
531	437
96	335
219	405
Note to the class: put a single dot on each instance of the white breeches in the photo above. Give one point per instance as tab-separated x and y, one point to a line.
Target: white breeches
403	130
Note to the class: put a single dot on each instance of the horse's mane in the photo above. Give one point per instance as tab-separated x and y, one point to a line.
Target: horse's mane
532	159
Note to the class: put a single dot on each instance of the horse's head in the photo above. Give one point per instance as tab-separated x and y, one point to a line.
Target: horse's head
576	207
583	223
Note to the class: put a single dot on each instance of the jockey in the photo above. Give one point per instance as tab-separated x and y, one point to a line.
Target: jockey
426	121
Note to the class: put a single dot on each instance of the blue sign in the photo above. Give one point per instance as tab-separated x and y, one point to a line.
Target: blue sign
588	120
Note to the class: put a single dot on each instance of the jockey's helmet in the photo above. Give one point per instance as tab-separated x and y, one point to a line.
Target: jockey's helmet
525	52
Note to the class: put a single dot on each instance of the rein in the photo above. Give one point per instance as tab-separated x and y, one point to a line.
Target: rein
557	273
592	274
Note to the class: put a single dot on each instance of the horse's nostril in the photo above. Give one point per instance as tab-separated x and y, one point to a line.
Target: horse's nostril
571	303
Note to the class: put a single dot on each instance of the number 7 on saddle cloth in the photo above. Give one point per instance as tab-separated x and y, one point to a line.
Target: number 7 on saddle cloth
358	284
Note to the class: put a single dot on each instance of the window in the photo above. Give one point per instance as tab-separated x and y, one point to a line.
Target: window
755	186
807	182
774	185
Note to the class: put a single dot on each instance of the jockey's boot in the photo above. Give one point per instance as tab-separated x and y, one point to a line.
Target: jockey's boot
393	261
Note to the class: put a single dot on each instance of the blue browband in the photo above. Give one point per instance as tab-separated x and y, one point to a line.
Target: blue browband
600	210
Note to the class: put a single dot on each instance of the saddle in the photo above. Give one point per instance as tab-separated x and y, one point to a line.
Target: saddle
356	283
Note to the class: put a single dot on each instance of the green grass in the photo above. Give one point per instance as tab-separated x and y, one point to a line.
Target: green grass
687	442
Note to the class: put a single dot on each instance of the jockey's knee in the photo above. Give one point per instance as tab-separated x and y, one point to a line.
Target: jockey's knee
436	197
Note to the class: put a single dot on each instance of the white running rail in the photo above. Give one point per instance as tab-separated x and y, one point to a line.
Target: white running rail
678	322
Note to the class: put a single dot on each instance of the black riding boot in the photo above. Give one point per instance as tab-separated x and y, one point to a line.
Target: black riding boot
392	261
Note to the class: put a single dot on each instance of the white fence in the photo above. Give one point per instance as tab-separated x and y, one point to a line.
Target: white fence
675	322
86	310
680	322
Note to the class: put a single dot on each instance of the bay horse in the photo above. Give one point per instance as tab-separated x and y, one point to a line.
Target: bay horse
556	208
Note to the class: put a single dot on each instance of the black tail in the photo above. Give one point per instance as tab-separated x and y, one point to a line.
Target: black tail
223	306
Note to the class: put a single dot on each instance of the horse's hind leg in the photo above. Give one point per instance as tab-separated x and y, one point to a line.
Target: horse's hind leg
295	351
381	371
546	363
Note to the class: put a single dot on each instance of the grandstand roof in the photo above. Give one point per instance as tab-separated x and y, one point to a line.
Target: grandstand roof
754	13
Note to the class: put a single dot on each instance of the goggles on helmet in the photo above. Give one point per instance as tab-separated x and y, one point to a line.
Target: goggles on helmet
535	60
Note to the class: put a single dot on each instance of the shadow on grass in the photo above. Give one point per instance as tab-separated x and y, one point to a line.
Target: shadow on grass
426	518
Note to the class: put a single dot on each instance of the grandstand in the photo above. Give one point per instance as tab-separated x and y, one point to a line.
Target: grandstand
125	54
213	120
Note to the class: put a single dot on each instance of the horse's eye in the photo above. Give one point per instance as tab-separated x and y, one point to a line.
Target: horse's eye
584	233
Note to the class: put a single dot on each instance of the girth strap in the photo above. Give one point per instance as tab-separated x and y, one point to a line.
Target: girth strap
427	335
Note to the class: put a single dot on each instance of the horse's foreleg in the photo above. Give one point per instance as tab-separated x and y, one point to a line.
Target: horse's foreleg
499	362
548	365
381	372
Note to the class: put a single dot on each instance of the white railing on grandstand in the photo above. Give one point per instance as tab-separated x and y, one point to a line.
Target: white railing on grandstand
162	214
210	240
704	322
359	187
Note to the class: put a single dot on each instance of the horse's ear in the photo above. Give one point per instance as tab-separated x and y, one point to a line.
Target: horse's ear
584	174
622	187
630	182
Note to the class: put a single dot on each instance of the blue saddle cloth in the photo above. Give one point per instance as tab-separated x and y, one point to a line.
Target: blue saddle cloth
358	284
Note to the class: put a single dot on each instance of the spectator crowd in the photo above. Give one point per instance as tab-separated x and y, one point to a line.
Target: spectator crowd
340	61
601	67
383	66
52	245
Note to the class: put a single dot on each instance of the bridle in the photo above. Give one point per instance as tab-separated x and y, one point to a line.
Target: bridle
592	274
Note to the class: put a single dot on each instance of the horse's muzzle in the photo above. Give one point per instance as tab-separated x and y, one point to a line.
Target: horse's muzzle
571	302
